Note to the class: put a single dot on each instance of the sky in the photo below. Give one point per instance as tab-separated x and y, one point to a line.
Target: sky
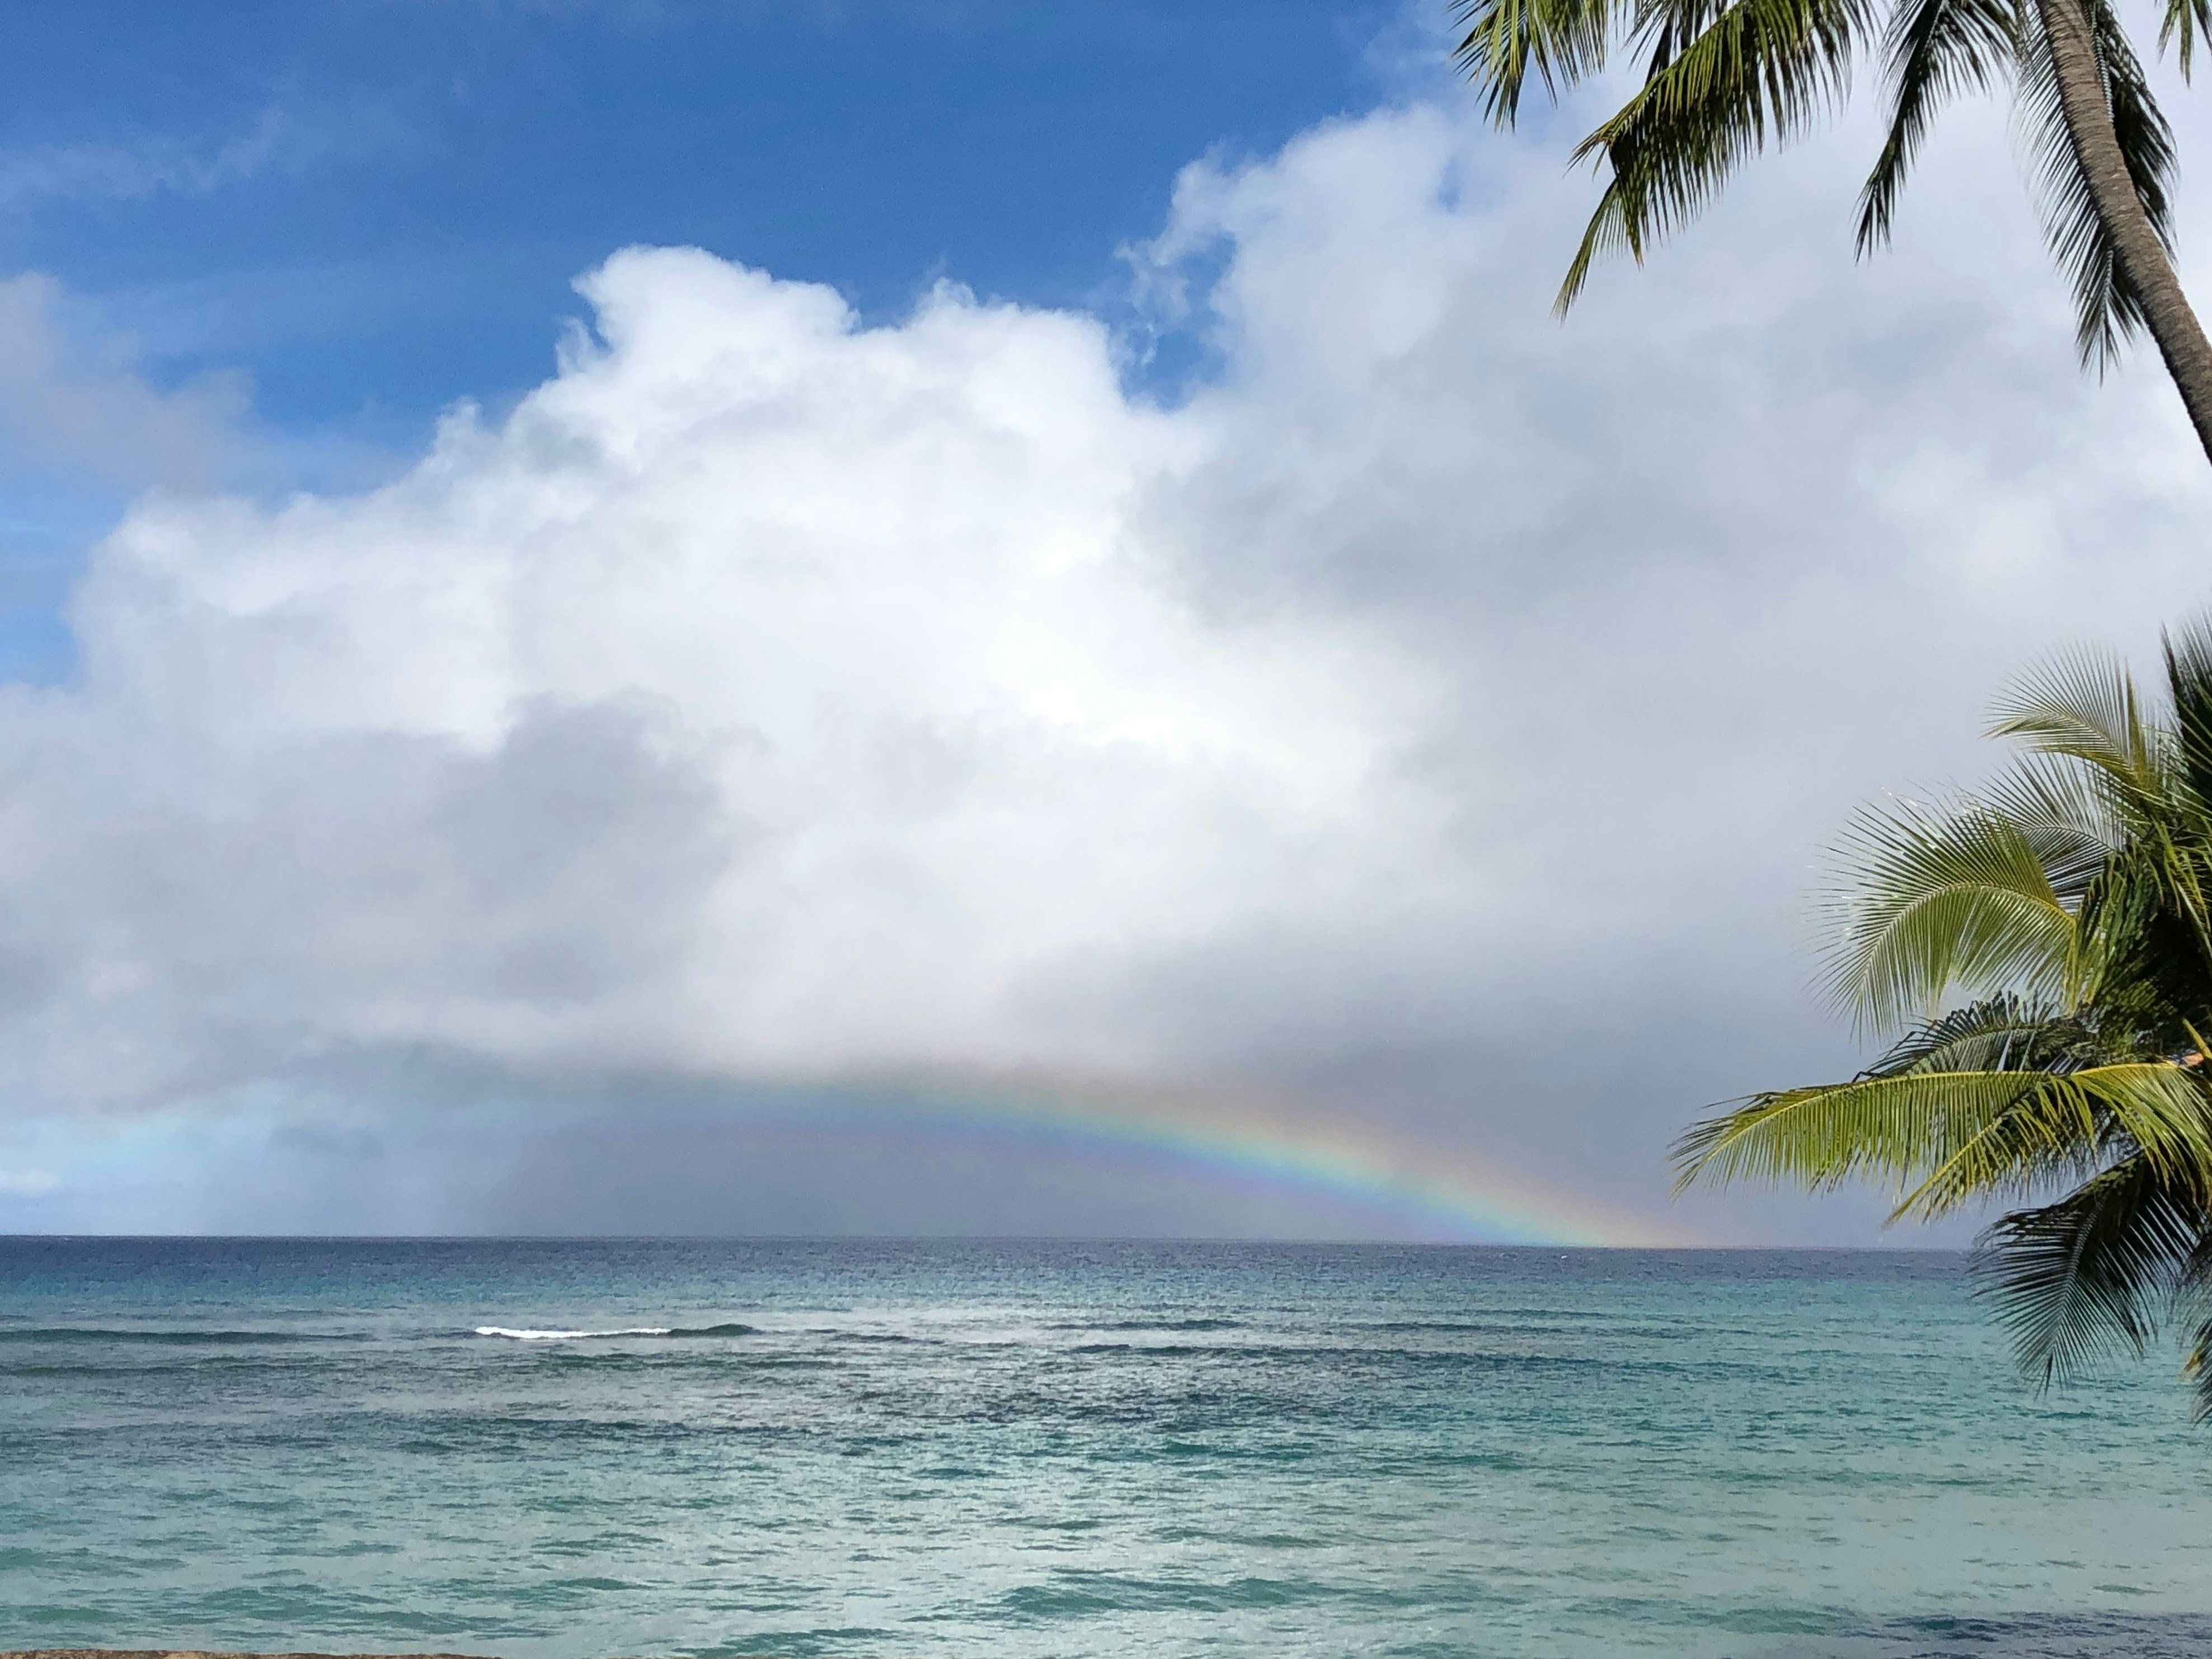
661	616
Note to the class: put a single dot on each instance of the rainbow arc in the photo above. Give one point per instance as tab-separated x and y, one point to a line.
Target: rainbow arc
1243	1144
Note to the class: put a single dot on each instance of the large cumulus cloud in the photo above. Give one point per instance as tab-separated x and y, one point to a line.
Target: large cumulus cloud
763	692
1431	715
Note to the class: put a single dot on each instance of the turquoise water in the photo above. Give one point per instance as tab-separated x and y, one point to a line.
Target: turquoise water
1053	1449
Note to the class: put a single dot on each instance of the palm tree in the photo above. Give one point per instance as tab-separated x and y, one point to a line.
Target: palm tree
2067	907
1722	76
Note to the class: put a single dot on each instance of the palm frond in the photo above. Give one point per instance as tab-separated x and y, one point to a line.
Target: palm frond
2064	813
1945	1139
2004	1033
2090	1274
2193	1302
2183	21
2083	706
1721	83
1954	893
2188	653
1897	1128
2144	930
2065	1124
1564	40
1937	49
2197	1366
2108	309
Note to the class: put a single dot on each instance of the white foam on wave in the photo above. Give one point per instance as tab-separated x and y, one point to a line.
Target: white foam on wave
566	1336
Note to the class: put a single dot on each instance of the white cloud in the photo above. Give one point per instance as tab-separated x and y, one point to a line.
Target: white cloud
1436	715
73	403
165	164
26	1183
765	692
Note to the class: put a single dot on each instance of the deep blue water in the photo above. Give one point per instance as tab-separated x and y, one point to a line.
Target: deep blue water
1030	1448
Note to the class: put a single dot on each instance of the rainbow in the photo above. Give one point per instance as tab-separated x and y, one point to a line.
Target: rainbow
1237	1143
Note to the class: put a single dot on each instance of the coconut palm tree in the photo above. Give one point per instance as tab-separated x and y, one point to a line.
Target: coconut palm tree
2067	911
1722	78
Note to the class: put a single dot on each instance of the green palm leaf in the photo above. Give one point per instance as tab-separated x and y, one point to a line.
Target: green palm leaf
1564	39
2188	652
1937	50
2083	707
2183	21
2192	1298
2071	821
2090	1274
1899	1129
1943	1140
2197	1366
1723	82
1952	894
2001	1034
2065	1126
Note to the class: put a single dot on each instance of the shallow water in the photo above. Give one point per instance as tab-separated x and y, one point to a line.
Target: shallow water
1056	1449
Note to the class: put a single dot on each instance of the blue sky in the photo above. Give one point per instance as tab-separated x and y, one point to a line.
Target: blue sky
375	206
548	669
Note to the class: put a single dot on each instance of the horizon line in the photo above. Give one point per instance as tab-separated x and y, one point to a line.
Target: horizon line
1521	1246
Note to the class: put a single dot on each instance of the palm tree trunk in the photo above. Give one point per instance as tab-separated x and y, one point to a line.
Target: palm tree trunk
2141	256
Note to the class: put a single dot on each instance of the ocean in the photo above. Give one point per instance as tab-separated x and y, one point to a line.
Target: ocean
558	1448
